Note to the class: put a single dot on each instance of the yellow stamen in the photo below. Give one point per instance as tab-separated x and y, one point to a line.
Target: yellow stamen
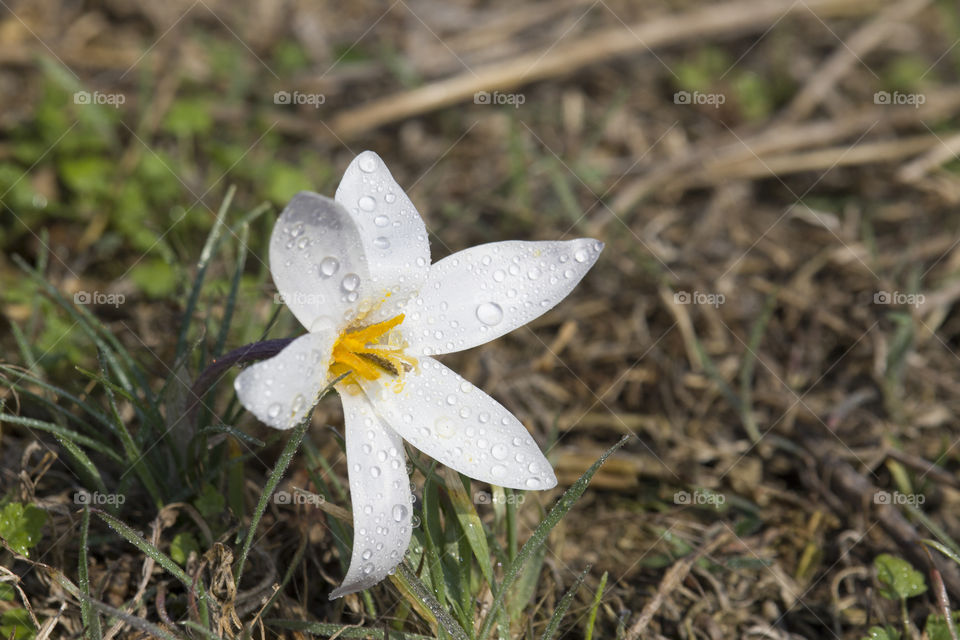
370	351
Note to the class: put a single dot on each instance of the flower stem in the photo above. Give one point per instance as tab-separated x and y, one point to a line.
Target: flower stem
218	368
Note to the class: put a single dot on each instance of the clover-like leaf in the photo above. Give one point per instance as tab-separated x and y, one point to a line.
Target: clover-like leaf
21	525
898	578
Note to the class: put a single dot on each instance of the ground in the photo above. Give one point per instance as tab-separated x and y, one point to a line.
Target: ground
772	323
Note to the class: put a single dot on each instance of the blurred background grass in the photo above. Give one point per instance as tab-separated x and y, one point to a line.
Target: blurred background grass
776	184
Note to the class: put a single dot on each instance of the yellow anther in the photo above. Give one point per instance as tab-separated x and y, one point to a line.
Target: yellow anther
371	350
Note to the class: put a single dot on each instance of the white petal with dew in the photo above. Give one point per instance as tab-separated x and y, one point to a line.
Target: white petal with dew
380	493
393	234
281	390
483	292
318	262
447	418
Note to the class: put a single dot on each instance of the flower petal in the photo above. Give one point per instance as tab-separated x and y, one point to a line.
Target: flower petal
481	293
393	234
317	260
380	492
281	390
449	419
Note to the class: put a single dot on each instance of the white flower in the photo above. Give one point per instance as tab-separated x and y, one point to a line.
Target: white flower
356	273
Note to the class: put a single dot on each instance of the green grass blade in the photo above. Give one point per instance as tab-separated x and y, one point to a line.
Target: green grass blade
540	536
469	520
234	288
421	591
67	434
563	606
942	548
145	626
57	391
86	465
205	255
749	364
91	621
328	630
293	443
160	557
597	597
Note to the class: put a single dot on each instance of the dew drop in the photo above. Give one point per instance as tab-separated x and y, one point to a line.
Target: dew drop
375	471
391	197
366	203
498	470
533	483
534	273
580	255
368	568
399	513
381	221
298	403
367	554
329	266
499	275
274	410
381	242
499	451
489	313
368	164
350	282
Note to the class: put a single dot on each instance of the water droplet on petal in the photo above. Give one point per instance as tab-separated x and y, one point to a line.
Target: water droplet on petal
368	164
533	483
499	451
366	203
580	255
489	313
375	472
367	568
350	282
399	513
367	554
274	410
298	403
381	243
381	221
329	266
534	273
391	197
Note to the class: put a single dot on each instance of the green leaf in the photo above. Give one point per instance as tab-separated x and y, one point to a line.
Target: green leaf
936	627
154	277
283	181
20	526
182	545
210	502
7	592
898	577
16	624
188	117
87	174
882	633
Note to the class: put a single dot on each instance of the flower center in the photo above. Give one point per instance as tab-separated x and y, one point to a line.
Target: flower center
370	351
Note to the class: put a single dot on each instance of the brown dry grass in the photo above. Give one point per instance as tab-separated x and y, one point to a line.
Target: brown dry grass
806	211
